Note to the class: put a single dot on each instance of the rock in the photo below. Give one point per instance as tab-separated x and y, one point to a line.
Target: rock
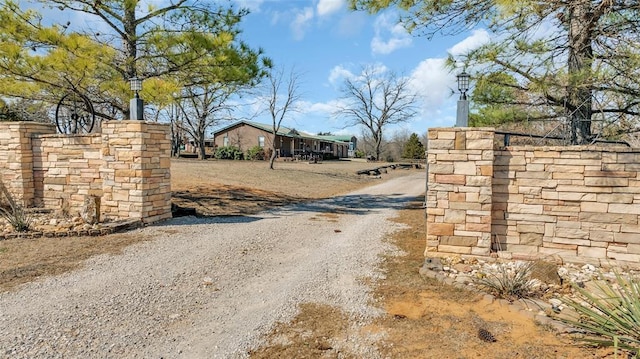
433	264
555	302
89	210
546	272
462	268
488	298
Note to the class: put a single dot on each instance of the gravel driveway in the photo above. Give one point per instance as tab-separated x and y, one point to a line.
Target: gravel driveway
211	287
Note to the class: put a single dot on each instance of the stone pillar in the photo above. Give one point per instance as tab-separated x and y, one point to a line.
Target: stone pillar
17	157
459	194
136	178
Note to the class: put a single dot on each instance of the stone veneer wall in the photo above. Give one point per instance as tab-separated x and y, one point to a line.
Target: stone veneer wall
125	169
137	176
459	195
16	158
66	170
576	204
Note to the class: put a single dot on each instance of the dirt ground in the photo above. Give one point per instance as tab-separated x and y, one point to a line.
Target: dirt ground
424	319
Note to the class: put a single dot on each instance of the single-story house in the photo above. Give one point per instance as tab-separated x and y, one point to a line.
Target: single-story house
289	142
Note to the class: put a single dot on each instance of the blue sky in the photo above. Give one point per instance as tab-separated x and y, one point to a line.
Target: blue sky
326	42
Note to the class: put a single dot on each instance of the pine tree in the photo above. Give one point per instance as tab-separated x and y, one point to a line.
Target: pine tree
413	149
571	61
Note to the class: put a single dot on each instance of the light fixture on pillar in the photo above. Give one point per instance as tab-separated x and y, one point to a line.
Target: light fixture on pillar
462	118
463	84
136	105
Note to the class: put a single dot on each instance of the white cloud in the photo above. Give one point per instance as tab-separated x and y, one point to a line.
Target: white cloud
338	74
389	34
328	7
301	22
477	38
432	82
323	107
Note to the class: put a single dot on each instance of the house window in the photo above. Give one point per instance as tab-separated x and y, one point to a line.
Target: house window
225	141
261	141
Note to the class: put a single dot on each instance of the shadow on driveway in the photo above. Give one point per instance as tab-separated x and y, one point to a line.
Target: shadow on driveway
358	204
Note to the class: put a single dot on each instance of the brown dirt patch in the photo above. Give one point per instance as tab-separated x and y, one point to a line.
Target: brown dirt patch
426	318
309	335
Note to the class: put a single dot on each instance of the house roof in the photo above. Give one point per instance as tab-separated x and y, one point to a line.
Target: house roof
285	132
343	138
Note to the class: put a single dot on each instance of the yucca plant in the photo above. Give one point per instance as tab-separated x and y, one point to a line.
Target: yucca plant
17	217
14	213
607	314
508	283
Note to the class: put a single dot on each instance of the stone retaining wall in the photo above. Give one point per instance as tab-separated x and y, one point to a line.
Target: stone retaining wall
575	204
124	172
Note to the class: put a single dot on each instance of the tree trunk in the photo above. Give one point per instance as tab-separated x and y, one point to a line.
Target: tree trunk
378	144
272	157
377	137
131	47
579	67
202	154
176	137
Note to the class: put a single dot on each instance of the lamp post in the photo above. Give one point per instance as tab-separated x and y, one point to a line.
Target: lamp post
462	118
136	105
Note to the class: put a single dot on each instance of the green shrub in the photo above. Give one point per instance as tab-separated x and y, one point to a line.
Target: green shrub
229	153
256	153
17	217
508	283
359	154
607	314
13	212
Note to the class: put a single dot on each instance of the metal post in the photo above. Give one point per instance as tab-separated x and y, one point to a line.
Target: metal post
462	117
136	108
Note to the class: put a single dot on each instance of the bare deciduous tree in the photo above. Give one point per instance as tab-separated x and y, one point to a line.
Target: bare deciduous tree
203	108
283	95
375	100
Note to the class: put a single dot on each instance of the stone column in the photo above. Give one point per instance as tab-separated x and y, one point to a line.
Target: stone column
136	177
459	191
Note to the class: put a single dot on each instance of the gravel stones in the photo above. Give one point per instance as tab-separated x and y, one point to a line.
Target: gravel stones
211	287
